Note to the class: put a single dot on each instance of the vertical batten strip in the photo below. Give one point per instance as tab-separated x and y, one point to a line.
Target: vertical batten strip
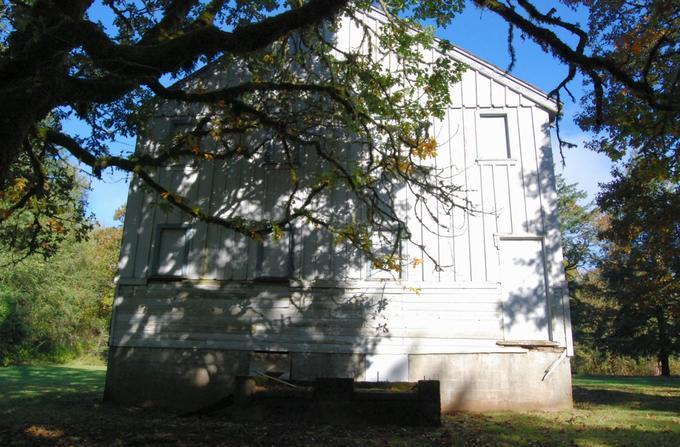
476	225
497	94
483	88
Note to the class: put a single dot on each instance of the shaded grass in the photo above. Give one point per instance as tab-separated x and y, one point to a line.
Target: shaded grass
61	405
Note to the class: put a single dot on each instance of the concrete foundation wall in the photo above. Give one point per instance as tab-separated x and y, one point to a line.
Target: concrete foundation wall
175	378
497	382
191	379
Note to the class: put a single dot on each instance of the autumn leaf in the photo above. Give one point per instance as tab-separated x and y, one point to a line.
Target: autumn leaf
277	232
426	148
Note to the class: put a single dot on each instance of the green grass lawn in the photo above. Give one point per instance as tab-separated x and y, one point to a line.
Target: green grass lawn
61	405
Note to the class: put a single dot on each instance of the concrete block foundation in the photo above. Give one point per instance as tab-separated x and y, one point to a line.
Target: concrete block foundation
497	382
189	379
183	379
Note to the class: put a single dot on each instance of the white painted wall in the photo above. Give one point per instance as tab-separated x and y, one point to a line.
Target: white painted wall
495	142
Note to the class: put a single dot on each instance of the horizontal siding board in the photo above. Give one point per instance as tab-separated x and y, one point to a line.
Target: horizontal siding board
220	314
197	313
414	310
489	329
419	346
365	342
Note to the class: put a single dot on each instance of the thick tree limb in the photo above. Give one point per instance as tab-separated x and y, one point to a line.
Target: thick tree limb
588	64
169	55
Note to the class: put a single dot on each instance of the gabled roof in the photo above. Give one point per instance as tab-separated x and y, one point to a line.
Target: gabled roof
493	72
531	92
501	76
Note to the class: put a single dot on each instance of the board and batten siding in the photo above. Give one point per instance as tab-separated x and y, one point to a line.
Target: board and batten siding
495	142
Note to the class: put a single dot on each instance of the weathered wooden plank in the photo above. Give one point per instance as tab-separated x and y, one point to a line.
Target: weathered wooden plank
416	254
393	345
456	92
497	94
198	252
475	218
559	316
446	149
459	219
135	202
318	334
489	221
483	90
502	199
410	310
531	185
511	97
469	88
145	232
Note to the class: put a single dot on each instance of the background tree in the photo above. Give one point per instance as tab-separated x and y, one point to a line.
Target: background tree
622	269
44	204
641	265
59	308
55	60
579	227
592	313
630	60
642	202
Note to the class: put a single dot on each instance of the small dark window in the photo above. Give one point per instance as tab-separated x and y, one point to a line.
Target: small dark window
274	155
492	137
171	251
275	257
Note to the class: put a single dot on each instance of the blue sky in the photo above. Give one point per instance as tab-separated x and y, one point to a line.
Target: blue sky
484	35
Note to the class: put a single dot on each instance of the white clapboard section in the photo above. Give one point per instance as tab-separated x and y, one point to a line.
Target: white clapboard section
500	274
372	319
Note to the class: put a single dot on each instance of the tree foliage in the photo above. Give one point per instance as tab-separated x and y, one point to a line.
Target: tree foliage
630	59
39	215
622	268
591	312
641	264
578	225
56	60
59	307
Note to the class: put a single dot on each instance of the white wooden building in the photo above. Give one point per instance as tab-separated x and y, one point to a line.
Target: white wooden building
197	304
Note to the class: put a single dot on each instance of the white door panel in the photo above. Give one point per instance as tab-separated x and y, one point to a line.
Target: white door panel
525	304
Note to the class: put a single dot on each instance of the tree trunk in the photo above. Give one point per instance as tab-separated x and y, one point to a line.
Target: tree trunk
663	356
23	107
664	363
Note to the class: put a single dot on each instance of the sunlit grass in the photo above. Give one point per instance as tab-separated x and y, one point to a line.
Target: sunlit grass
608	411
62	405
